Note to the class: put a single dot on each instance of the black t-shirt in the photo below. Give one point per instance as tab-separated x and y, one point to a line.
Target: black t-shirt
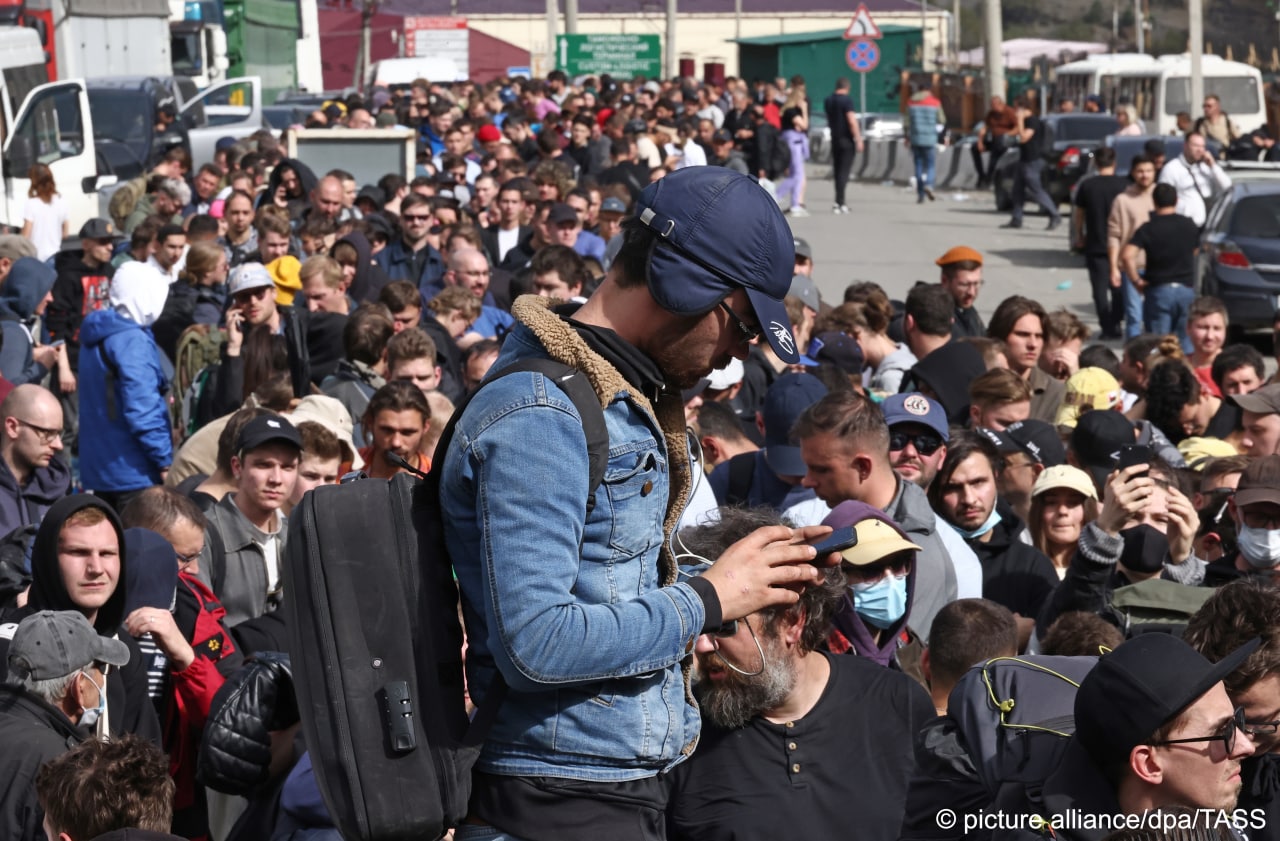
1170	241
840	771
838	106
1095	196
1224	421
789	118
1030	151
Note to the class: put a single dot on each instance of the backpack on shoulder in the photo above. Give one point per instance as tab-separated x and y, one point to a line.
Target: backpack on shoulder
1156	605
198	348
375	641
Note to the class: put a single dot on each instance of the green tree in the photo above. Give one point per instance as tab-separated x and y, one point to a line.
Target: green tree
1095	14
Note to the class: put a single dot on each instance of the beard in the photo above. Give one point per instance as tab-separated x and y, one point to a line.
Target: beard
732	701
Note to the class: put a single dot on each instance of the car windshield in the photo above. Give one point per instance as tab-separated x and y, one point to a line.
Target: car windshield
123	116
1239	94
1257	217
1084	128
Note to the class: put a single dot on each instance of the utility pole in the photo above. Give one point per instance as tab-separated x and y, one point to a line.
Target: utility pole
553	12
737	19
366	43
955	34
673	59
924	34
1140	35
993	32
1195	17
571	17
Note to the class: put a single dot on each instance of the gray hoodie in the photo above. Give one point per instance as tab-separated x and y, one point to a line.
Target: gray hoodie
935	580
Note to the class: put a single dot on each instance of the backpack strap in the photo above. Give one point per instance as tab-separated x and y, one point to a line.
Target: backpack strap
742	470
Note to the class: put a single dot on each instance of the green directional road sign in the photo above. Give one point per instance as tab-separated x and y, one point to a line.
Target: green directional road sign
623	56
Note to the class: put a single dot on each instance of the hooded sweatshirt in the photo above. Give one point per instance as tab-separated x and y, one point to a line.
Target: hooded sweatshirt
306	180
28	283
1014	574
947	372
129	709
125	438
370	278
77	291
23	505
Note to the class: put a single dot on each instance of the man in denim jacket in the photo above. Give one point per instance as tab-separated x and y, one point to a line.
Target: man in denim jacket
579	608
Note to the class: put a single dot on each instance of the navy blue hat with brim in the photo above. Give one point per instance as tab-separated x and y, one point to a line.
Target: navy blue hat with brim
719	231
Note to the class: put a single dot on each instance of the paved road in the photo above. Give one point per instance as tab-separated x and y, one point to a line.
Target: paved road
891	240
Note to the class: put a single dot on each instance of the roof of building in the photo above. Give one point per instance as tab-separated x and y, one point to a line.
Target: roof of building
634	7
808	37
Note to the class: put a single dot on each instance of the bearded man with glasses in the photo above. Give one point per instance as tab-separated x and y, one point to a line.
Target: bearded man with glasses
787	726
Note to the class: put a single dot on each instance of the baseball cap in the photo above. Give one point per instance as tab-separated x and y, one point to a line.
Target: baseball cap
613	204
839	349
248	276
333	416
1260	482
803	287
1097	440
561	212
488	133
878	536
1264	401
98	228
1198	450
784	402
224	143
265	429
915	408
16	246
1140	686
803	249
718	231
960	254
1038	440
55	643
1064	476
1086	390
637	126
722	136
373	193
728	376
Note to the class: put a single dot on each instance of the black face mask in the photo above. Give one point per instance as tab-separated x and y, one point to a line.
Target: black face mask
1145	549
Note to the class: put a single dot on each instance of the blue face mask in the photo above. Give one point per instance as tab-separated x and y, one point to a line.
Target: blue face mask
992	522
91	716
883	602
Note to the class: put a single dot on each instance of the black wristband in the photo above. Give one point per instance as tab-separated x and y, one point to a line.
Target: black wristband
710	604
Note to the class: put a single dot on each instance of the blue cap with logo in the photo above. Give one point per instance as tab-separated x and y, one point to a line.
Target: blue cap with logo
719	231
915	408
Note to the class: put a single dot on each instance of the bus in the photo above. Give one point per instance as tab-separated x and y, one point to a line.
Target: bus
1160	88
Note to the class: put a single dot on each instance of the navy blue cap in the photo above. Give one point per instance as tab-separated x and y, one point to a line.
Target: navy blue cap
840	349
719	231
916	408
784	402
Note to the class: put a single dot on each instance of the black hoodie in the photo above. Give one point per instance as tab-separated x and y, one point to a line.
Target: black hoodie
77	291
306	181
129	708
370	278
1014	574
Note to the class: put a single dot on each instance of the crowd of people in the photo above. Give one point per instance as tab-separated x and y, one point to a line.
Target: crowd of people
679	660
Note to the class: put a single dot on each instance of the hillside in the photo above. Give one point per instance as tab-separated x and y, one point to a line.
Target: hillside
1238	24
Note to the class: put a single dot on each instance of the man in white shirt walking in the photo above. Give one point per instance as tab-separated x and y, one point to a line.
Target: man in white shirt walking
1197	177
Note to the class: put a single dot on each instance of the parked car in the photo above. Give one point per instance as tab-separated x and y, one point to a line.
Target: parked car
1239	259
1068	140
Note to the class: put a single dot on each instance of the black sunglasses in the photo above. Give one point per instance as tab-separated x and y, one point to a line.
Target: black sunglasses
1228	735
749	333
926	443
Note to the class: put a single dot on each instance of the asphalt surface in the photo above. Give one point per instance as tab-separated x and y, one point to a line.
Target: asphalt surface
889	239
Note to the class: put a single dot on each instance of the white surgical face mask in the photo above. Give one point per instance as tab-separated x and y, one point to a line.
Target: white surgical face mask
1260	547
91	716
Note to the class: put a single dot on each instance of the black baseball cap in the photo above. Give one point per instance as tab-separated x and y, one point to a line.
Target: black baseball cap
98	228
1097	440
561	212
1039	440
266	429
1142	685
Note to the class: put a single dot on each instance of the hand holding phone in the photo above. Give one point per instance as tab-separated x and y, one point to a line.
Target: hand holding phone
838	541
1133	454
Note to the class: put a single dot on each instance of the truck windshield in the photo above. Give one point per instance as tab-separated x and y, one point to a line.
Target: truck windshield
123	117
185	49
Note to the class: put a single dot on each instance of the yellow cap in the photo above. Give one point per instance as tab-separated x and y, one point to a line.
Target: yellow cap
286	272
1064	476
1197	450
1088	388
877	540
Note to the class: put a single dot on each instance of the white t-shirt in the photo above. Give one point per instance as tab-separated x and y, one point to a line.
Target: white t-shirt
507	240
46	224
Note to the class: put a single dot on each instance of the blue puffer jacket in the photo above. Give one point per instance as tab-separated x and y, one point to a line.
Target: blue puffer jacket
924	112
124	422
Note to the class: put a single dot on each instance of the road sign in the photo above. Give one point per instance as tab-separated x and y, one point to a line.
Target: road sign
862	55
862	26
622	56
439	37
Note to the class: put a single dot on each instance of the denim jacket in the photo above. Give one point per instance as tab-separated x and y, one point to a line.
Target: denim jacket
580	612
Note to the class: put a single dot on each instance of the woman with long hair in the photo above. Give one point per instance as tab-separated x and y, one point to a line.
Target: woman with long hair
795	133
887	360
44	216
1063	502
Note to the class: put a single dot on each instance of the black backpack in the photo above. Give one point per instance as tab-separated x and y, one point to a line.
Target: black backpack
375	641
779	158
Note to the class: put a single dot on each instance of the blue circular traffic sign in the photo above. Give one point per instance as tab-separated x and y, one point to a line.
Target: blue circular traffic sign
862	55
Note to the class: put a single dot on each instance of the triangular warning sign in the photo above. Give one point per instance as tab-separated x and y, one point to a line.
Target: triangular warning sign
862	26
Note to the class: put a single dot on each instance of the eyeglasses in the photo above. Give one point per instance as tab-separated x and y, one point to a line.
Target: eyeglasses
1228	735
926	443
749	333
726	630
46	436
898	566
416	218
971	286
185	561
1255	519
1264	729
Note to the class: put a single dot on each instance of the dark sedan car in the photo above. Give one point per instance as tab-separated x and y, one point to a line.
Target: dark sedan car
1239	258
1068	139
